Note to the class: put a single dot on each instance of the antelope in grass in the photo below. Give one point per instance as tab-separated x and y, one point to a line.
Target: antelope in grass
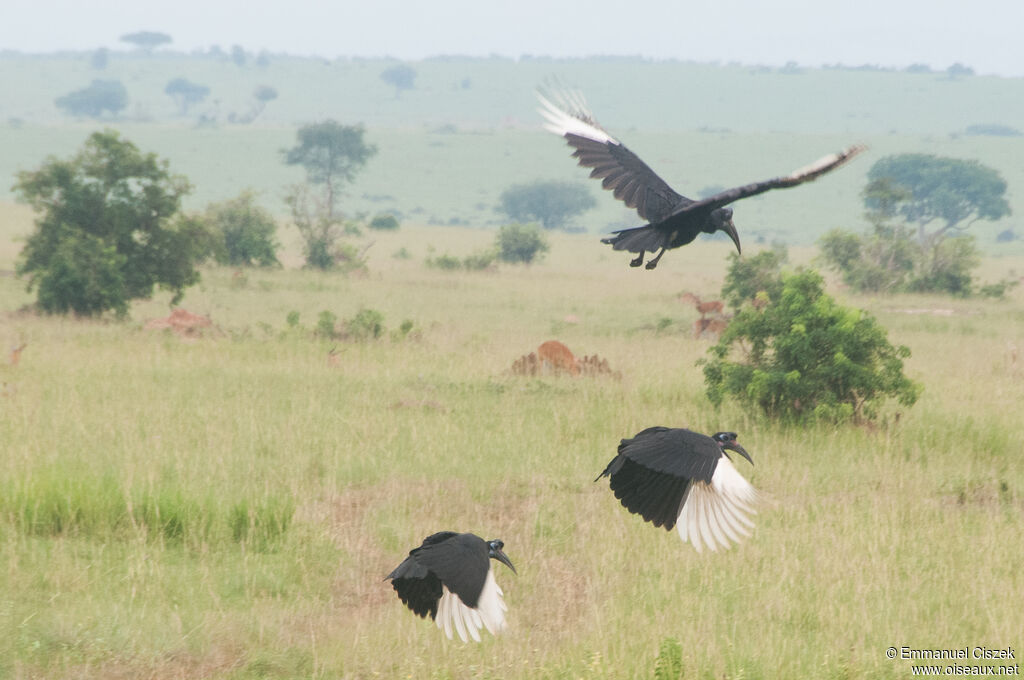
15	356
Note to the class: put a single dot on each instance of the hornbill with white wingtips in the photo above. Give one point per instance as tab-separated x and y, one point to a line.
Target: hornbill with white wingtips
677	477
450	579
673	220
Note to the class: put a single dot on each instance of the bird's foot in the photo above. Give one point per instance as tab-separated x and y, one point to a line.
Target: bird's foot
654	263
637	261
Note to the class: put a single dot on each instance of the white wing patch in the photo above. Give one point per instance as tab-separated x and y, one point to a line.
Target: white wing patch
571	116
489	613
829	162
716	514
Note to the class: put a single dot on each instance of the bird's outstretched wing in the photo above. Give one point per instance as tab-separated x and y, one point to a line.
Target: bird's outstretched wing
621	170
460	562
673	451
804	174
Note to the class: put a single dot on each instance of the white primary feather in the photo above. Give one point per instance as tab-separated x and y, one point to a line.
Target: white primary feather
572	117
715	513
490	610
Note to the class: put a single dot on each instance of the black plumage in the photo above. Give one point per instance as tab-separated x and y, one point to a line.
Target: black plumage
674	476
452	564
673	220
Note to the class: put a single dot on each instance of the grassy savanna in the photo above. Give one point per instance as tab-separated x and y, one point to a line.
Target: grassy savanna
227	507
469	129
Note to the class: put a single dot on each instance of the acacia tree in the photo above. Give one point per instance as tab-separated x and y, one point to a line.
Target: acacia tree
922	189
550	202
92	101
106	231
186	93
331	154
146	40
904	195
400	76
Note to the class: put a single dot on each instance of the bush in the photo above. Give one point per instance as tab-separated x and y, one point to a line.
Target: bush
244	232
384	223
367	324
748	276
520	243
804	357
476	262
891	259
445	262
325	324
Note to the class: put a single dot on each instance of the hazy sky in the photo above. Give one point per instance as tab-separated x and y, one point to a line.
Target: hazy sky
983	34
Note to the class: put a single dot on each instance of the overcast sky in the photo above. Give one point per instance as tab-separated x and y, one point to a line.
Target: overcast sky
982	34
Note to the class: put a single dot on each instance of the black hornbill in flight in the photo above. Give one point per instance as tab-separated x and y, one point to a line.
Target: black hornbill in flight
449	578
673	220
677	477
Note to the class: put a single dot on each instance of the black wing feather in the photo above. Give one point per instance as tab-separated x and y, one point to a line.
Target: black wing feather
674	451
461	562
805	174
654	496
652	197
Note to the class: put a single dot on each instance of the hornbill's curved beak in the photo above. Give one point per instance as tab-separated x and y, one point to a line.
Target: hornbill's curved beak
733	446
730	229
497	554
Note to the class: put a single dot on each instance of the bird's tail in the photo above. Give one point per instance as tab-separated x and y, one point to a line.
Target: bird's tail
637	239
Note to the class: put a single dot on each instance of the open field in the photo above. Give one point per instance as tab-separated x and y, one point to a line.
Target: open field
227	507
469	130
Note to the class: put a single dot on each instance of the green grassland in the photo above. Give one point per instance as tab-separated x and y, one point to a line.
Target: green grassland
469	130
227	507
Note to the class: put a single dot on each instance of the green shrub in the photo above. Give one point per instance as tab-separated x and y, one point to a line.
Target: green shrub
475	262
384	223
748	276
367	324
520	243
804	357
479	261
326	324
445	262
245	233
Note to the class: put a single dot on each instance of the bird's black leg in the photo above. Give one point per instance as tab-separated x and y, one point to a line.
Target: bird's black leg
654	263
638	260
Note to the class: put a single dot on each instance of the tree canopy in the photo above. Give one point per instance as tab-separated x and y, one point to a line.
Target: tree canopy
929	188
92	101
400	76
146	40
104	233
331	154
186	93
550	202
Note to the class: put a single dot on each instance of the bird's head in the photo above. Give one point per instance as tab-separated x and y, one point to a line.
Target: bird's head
494	550
727	440
721	219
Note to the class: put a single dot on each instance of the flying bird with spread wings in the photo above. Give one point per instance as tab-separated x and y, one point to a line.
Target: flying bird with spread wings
673	220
